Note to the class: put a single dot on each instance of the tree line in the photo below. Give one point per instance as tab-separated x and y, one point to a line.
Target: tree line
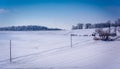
27	28
97	25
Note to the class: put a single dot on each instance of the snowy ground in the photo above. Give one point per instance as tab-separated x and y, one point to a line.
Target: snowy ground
51	50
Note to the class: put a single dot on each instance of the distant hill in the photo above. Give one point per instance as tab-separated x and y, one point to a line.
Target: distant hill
27	28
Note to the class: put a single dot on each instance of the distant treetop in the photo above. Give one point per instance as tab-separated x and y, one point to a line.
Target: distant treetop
27	28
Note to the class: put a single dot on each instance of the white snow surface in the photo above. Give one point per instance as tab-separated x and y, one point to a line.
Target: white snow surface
52	50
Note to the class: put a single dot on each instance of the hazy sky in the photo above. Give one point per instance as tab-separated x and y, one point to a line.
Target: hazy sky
57	13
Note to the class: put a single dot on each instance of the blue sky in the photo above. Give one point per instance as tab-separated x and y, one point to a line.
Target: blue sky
57	13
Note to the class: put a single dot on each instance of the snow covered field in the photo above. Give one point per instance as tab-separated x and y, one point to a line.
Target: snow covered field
51	50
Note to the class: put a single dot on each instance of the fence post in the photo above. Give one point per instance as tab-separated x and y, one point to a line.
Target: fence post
10	52
71	40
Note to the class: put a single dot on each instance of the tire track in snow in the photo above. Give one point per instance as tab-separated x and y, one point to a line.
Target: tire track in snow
31	61
46	51
33	55
55	50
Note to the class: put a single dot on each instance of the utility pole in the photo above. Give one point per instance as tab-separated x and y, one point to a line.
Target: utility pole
10	52
109	28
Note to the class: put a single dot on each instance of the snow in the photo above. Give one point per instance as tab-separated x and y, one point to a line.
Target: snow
52	50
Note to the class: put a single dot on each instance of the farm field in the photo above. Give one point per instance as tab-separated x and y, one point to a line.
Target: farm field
52	50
